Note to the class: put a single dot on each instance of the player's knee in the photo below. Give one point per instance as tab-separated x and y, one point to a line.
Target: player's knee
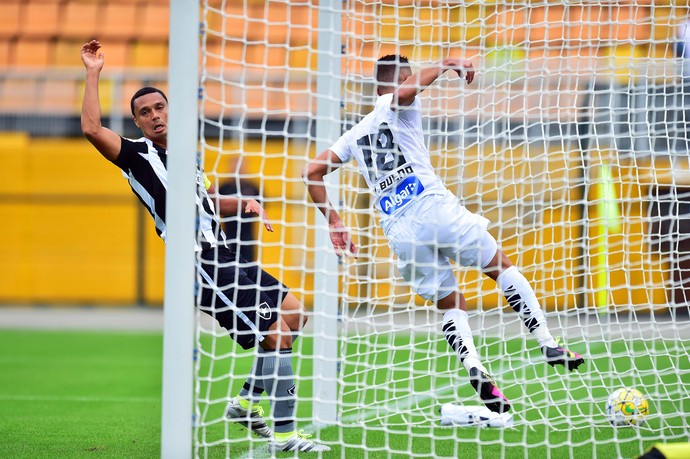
279	336
274	342
499	263
455	300
293	312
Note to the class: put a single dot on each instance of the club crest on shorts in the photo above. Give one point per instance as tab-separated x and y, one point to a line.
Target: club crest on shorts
264	311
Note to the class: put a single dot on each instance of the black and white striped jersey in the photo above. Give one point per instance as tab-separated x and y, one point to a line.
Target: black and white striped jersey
144	165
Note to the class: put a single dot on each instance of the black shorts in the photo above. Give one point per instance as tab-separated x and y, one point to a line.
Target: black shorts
250	298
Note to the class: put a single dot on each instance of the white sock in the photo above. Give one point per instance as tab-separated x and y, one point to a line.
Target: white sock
456	329
523	300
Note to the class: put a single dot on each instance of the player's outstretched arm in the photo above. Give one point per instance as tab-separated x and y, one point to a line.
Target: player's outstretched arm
313	175
106	141
230	205
421	80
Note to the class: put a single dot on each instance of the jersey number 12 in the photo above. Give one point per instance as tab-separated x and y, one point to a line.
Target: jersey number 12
385	155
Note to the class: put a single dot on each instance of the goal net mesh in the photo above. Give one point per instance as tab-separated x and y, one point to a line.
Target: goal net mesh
572	141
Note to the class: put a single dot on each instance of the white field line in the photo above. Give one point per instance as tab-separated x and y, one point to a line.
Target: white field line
400	405
56	398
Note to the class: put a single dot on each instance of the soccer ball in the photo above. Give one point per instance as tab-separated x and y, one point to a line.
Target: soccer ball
627	407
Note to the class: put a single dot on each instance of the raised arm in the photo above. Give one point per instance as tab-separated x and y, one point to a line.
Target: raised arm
313	175
106	141
418	82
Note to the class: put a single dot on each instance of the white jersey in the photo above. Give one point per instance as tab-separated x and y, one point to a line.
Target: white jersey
390	152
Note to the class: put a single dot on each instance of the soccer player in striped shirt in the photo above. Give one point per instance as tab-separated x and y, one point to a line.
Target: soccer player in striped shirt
426	226
253	306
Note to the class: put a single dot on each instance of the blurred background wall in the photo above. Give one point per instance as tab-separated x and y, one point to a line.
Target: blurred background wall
71	230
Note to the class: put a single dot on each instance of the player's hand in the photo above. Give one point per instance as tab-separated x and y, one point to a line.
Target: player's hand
462	67
253	207
341	240
468	68
90	56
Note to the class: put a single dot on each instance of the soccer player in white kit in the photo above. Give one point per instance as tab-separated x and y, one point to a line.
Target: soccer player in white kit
424	222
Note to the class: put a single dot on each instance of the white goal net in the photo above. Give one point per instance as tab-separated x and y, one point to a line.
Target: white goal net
573	141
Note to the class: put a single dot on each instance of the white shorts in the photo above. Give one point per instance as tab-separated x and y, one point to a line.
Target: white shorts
429	234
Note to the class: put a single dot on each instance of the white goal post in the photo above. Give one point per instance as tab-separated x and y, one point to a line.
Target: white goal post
180	258
573	141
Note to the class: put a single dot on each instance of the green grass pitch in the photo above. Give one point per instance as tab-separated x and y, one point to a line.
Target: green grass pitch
88	394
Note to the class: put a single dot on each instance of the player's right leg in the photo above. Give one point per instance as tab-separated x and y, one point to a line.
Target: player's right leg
522	299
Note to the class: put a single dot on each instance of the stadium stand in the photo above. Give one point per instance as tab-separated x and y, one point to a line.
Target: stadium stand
119	21
40	19
10	18
43	37
38	34
80	20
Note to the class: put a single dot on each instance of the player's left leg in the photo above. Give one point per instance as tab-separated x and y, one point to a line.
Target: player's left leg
279	379
416	239
273	367
229	295
524	302
456	330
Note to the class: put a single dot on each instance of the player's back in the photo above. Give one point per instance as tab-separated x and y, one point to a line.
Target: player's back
389	147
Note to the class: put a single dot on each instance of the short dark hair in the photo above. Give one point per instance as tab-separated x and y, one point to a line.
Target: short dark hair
142	92
388	67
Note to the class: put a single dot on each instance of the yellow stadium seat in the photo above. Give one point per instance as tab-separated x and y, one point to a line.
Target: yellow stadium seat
302	59
467	28
277	22
229	23
10	18
40	19
67	53
155	18
119	21
587	24
664	24
507	26
33	53
547	26
227	55
80	20
266	56
255	27
150	54
631	23
426	53
302	30
117	53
